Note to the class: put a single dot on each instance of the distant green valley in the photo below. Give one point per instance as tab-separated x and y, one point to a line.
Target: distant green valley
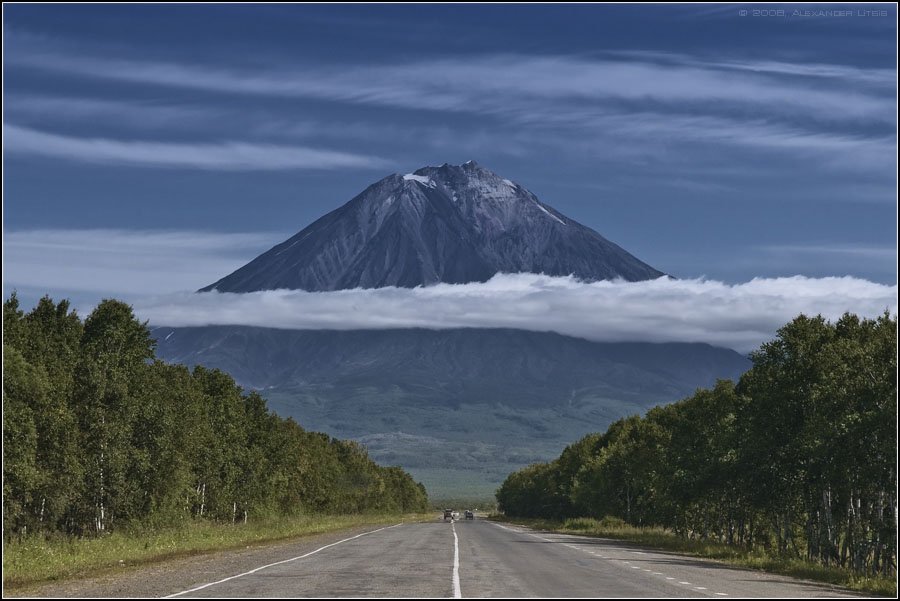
461	408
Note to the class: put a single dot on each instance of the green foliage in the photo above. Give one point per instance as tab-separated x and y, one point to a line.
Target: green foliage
756	558
100	436
21	476
531	492
798	459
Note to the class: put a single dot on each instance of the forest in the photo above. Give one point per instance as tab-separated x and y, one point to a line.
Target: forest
99	435
799	457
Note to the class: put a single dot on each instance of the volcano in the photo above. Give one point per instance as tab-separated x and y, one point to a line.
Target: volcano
451	224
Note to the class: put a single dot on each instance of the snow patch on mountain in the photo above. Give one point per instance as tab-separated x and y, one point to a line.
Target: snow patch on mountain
550	214
419	178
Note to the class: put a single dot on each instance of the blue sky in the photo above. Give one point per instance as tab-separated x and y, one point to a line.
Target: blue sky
154	148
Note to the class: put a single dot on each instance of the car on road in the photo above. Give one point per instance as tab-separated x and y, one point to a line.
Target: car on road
469	515
448	514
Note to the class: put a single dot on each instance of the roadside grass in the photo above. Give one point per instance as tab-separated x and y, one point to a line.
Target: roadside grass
659	538
38	559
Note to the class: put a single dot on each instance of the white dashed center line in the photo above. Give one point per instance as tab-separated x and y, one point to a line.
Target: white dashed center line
457	593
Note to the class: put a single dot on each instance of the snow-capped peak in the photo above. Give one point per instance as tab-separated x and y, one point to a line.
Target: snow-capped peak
417	178
447	223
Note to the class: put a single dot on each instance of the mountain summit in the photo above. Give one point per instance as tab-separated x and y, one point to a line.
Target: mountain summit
453	223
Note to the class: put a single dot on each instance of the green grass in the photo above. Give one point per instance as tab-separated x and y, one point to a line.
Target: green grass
37	559
757	559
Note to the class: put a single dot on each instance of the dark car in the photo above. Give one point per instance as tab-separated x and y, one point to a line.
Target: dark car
469	515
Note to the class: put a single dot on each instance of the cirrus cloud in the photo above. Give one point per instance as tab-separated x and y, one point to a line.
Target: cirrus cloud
226	156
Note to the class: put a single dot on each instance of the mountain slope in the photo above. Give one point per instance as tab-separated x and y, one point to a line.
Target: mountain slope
459	409
450	224
515	367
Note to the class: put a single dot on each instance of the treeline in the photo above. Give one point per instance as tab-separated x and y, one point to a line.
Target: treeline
98	434
800	457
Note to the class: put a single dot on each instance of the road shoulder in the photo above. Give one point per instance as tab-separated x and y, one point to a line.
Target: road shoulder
170	576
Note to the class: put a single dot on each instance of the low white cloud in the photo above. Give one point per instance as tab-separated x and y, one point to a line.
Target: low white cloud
158	270
226	156
740	316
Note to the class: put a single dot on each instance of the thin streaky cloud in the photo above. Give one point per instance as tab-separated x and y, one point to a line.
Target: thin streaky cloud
489	83
609	128
116	241
883	78
126	262
863	251
855	151
224	156
617	136
141	114
812	111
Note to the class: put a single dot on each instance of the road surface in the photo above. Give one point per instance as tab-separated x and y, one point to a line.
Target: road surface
465	558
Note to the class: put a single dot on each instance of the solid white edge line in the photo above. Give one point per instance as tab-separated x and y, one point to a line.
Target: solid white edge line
456	575
254	570
622	560
457	593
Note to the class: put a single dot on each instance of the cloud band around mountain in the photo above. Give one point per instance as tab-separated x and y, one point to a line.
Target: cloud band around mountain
740	316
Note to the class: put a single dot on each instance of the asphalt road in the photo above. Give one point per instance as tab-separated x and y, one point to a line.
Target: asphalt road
485	559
